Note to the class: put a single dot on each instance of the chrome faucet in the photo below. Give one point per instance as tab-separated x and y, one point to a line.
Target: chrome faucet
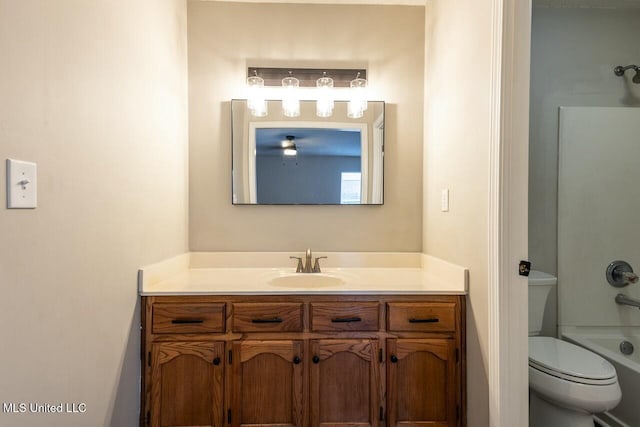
622	299
307	263
306	267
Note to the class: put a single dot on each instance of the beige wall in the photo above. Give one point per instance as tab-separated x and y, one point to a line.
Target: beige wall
95	92
226	37
456	156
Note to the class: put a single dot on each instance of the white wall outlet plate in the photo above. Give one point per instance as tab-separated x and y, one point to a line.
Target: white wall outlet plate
22	180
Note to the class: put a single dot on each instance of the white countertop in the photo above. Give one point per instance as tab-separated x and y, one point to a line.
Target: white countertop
346	273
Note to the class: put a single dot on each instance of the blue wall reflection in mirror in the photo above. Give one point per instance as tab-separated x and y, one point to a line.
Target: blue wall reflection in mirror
307	165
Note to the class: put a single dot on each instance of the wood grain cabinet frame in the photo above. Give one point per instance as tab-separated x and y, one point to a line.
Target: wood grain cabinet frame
303	361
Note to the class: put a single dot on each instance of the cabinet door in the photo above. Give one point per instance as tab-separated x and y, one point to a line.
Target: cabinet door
421	383
267	383
187	384
345	379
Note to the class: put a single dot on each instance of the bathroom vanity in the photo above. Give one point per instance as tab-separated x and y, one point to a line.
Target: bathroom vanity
312	357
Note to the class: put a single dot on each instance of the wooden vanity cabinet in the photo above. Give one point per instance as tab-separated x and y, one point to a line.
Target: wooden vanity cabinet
303	361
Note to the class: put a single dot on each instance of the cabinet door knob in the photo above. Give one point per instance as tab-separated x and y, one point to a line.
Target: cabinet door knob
394	358
216	361
316	359
296	360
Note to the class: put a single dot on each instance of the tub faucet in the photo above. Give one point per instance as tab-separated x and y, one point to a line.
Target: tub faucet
620	274
622	299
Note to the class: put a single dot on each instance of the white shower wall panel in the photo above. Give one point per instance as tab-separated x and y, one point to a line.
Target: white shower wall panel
598	212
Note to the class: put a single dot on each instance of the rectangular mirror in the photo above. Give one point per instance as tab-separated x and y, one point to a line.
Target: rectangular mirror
307	160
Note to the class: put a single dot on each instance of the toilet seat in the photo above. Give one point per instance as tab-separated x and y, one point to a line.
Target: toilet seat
569	362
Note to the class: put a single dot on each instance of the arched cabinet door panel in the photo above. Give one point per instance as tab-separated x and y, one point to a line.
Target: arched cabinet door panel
422	382
267	383
344	384
187	384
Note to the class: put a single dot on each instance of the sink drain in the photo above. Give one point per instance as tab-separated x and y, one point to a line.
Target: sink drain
626	347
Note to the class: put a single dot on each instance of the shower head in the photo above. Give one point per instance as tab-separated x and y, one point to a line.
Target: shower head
620	70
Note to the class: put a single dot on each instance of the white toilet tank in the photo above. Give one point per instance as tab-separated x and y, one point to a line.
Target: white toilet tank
540	287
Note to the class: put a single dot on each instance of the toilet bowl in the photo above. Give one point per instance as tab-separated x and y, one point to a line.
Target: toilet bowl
568	384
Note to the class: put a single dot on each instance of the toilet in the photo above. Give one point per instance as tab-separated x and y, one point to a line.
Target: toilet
567	383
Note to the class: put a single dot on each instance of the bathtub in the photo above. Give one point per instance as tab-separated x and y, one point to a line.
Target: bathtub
606	342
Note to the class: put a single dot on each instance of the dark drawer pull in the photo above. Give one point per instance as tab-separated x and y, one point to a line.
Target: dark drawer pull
272	320
186	321
429	320
346	320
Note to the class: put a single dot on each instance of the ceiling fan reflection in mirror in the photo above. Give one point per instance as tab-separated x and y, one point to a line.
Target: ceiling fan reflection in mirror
289	146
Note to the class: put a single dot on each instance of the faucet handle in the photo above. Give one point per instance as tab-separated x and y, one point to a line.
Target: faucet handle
620	274
316	265
300	267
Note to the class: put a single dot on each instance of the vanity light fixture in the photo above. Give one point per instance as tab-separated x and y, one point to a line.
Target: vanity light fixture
324	104
322	85
357	98
290	97
255	101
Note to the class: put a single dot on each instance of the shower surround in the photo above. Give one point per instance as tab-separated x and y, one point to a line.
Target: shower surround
598	205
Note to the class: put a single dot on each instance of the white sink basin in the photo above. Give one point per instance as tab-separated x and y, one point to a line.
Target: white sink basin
306	280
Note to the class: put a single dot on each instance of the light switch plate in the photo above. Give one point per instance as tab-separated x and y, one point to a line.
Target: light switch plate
444	205
22	184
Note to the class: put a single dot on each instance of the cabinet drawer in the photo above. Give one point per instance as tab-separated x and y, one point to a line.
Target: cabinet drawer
344	316
421	317
267	317
188	318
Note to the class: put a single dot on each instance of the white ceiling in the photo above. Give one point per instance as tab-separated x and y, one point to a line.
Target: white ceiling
589	4
387	2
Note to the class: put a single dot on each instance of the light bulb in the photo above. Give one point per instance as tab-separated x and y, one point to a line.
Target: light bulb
357	98
324	104
290	98
255	101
